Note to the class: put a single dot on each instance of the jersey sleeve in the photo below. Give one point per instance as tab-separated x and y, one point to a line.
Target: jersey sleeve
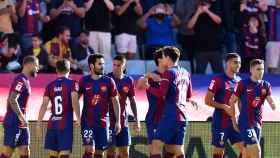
131	92
18	86
81	86
239	88
165	81
269	91
189	90
214	85
113	88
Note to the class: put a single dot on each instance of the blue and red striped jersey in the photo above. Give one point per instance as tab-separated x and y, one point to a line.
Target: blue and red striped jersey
252	95
156	104
59	92
273	22
21	86
126	89
176	89
97	97
223	87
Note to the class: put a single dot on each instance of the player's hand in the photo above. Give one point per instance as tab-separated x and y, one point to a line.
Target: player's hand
194	104
117	128
153	76
235	125
142	83
228	110
137	126
23	122
78	123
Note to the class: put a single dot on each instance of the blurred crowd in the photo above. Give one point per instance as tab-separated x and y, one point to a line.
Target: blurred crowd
205	30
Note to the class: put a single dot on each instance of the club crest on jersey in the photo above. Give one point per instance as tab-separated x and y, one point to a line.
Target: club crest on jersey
103	88
263	91
125	89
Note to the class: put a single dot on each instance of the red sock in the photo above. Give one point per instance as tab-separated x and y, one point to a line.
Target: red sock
87	155
3	156
180	156
25	156
240	156
97	156
111	156
218	156
168	155
155	156
64	156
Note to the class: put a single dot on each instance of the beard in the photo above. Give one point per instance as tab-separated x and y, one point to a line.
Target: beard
99	72
33	74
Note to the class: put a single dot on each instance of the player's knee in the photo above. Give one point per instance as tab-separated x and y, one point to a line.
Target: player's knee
218	150
179	150
124	153
24	150
89	149
7	151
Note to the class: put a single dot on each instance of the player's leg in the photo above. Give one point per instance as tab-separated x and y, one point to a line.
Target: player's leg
178	139
156	148
123	141
169	151
112	150
53	154
65	142
253	151
251	138
88	141
218	141
6	152
23	143
101	137
64	154
240	147
51	143
236	141
179	151
150	135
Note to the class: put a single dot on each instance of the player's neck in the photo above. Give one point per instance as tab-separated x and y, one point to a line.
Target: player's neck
230	74
25	72
160	69
118	76
254	79
62	75
95	76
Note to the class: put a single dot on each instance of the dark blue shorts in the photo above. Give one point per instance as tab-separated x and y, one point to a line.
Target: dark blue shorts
95	136
59	140
251	135
122	139
221	135
171	132
16	136
151	129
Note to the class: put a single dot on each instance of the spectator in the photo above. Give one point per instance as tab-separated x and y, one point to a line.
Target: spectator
148	4
184	9
7	16
9	55
158	23
206	24
81	50
127	12
253	43
58	48
39	51
273	34
68	13
30	14
98	22
250	8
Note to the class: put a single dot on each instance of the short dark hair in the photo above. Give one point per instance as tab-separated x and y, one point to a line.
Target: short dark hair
13	40
36	35
230	56
157	55
172	52
120	58
255	62
63	66
85	32
29	59
93	57
62	29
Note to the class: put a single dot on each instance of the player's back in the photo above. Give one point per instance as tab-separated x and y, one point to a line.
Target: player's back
59	92
20	86
252	95
223	87
155	104
178	93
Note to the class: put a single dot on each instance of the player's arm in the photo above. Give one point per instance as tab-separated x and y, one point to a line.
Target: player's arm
271	102
161	92
209	100
43	109
133	104
13	100
76	106
232	102
117	107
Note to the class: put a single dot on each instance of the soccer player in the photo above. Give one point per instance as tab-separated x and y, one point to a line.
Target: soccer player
175	88
16	131
156	104
252	92
63	95
218	95
126	90
98	91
